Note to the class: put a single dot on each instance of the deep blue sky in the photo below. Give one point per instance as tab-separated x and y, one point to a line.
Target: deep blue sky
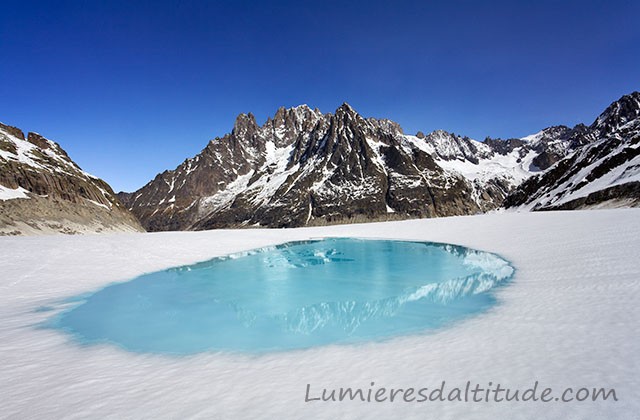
131	88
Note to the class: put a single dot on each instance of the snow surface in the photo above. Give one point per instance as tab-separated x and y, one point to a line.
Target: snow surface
510	167
568	319
10	193
533	138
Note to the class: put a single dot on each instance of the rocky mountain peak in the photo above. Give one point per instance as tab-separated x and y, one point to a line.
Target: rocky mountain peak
345	107
439	134
619	113
288	123
555	131
297	118
38	140
14	131
449	146
245	124
346	116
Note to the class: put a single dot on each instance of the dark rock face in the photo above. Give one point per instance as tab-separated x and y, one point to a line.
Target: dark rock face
605	161
14	131
53	189
504	147
556	142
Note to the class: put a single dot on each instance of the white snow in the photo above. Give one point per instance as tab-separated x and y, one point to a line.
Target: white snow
103	191
225	197
190	165
23	153
568	319
327	173
510	167
276	160
10	193
504	166
95	203
379	161
171	184
533	138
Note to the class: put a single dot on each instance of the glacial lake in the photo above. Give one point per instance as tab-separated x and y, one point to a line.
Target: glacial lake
291	296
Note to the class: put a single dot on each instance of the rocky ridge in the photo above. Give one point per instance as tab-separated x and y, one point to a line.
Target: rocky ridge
43	191
603	172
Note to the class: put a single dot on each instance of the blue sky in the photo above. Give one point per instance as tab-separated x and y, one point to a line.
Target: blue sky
130	89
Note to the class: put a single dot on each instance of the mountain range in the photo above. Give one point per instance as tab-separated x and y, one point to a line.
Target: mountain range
302	167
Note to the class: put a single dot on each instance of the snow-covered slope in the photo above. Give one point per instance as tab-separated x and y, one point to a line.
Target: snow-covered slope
42	190
568	319
603	172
